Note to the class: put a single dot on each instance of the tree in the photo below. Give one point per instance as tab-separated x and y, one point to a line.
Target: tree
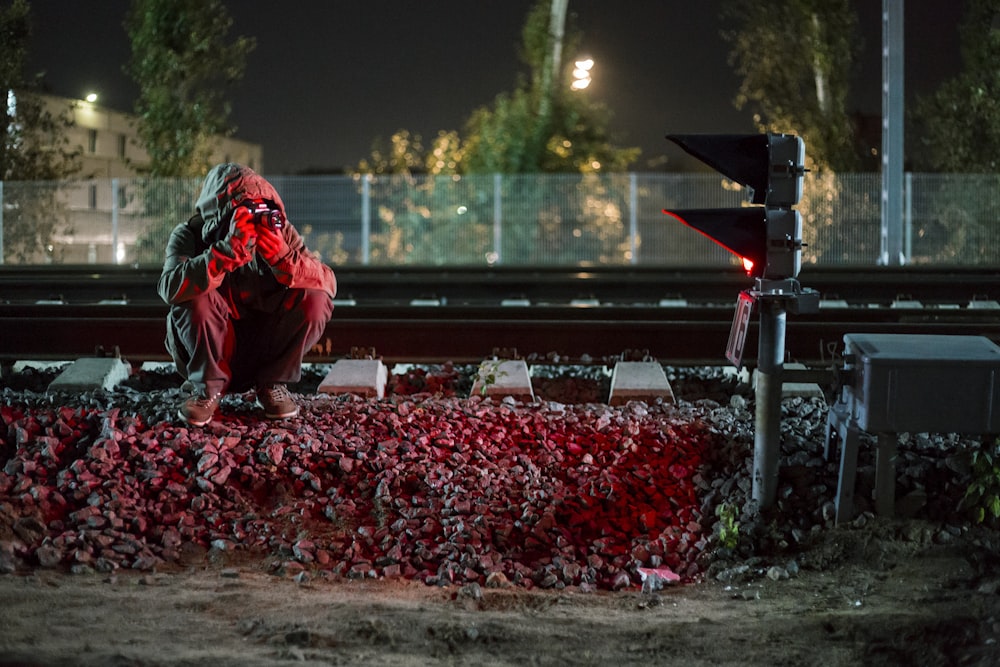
543	126
184	65
35	148
958	134
795	59
539	127
416	190
958	126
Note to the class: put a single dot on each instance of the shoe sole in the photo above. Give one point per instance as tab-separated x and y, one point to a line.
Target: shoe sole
192	422
279	415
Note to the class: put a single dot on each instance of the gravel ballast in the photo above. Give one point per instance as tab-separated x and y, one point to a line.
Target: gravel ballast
432	485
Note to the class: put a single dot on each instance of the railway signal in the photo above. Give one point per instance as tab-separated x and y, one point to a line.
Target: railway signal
768	236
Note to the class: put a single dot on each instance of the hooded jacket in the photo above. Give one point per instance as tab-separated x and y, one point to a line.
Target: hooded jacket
199	255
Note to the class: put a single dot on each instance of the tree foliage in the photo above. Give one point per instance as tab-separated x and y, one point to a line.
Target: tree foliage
958	126
958	132
541	127
795	59
415	206
185	65
35	148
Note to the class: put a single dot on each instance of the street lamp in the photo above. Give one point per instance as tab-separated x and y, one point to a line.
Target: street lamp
91	97
581	73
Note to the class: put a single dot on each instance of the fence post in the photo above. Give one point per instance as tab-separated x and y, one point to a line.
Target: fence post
366	218
633	220
908	217
497	219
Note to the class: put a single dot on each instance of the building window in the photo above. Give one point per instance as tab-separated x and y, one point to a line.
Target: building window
122	142
92	196
91	141
122	197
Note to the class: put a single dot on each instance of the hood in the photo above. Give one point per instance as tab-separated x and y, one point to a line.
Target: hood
225	187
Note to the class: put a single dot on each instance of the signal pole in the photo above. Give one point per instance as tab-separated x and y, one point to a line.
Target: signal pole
768	239
767	395
775	299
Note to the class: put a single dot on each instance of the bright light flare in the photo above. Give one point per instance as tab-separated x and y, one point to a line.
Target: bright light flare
730	237
581	73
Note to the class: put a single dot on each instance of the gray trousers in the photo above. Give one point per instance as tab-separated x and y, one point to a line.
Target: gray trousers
221	343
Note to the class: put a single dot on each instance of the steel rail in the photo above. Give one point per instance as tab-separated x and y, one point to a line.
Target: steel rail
678	335
476	285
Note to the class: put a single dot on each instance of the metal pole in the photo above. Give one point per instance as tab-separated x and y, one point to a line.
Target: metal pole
891	251
497	219
908	218
767	427
633	222
366	218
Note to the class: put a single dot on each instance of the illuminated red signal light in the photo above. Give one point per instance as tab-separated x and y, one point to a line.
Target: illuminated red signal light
767	238
741	231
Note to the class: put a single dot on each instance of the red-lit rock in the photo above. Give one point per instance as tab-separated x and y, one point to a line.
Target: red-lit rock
449	490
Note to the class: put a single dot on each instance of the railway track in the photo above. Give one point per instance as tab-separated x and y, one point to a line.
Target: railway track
465	315
483	286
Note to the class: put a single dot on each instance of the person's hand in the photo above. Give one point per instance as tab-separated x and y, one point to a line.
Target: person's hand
271	244
243	235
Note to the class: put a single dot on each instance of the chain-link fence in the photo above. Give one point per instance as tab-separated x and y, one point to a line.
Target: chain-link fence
510	220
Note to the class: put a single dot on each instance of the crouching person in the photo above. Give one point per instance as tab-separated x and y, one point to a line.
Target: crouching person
247	299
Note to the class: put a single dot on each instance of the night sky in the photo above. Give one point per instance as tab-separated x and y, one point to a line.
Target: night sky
327	78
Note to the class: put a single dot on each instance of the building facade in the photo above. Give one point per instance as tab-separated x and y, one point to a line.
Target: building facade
110	146
104	211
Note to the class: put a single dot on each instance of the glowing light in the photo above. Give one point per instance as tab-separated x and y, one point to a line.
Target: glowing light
747	265
581	73
91	97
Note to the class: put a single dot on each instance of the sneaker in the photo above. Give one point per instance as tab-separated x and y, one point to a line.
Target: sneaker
198	410
276	401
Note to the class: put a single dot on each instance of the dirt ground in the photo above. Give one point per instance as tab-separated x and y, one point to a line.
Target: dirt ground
890	593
